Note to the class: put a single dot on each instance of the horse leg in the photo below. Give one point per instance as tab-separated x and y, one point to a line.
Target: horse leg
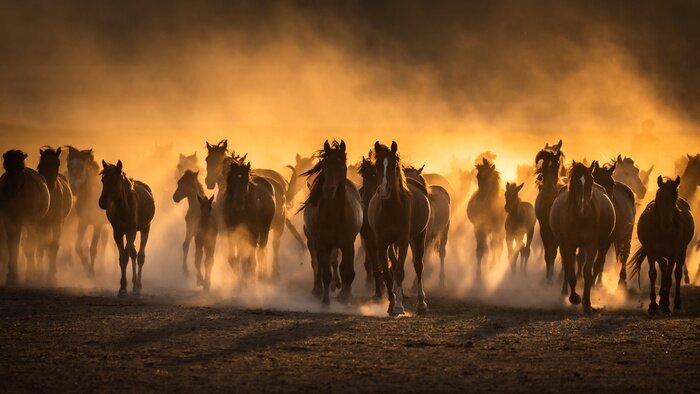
588	277
510	240
398	276
186	248
666	281
678	274
496	247
261	255
123	261
442	252
132	254
525	251
208	263
550	251
232	241
599	265
418	251
53	254
653	306
318	285
568	259
198	255
347	271
480	249
276	241
580	262
383	263
30	246
13	234
324	268
686	278
78	247
335	283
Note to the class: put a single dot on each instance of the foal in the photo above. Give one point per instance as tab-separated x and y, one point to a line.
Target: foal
189	187
520	222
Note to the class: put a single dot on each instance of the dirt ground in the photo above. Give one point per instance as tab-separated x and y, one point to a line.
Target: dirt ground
61	340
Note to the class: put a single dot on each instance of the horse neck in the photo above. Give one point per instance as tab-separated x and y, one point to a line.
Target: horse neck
50	176
687	189
123	201
13	182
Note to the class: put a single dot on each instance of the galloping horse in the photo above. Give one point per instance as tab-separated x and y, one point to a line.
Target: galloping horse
623	201
24	202
189	187
61	203
398	213
84	182
520	223
332	219
130	209
486	214
627	172
369	241
582	219
665	229
549	185
205	241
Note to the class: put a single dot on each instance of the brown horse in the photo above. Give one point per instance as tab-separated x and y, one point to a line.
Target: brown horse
582	219
627	172
187	163
24	202
205	241
439	223
398	214
332	219
486	214
189	187
130	209
84	182
520	224
369	242
61	203
665	229
549	161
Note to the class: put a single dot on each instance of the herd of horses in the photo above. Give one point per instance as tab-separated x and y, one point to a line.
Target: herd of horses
582	210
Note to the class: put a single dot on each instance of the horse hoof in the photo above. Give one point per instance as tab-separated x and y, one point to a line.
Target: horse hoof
344	296
316	292
122	293
678	310
574	299
665	310
622	285
398	310
422	308
653	310
589	311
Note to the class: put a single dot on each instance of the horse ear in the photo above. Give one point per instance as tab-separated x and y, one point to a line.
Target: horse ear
677	181
619	158
326	147
182	156
41	151
104	165
119	165
243	159
308	185
559	144
211	199
298	158
58	151
342	145
201	199
209	146
376	146
520	187
247	165
660	181
689	156
196	174
420	170
24	156
194	154
225	144
484	161
394	147
612	168
595	164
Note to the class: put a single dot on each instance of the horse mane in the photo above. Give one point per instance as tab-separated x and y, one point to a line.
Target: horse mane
316	191
384	150
495	179
420	181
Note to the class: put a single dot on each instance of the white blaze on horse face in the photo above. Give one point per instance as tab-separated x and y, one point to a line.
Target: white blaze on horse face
583	188
383	185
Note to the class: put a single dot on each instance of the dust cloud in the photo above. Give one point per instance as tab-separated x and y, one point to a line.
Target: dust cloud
145	81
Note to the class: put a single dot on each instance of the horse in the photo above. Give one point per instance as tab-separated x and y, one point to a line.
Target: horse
189	187
582	219
690	180
486	214
84	182
623	200
520	223
205	241
548	161
399	213
627	172
439	222
249	210
332	219
665	229
130	208
369	242
61	204
218	162
24	202
187	163
301	165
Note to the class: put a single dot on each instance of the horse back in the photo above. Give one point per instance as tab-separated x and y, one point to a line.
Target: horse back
420	207
146	204
61	201
439	180
266	194
439	208
33	200
277	190
274	176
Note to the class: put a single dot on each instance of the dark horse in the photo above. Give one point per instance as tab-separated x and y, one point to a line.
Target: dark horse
486	214
623	200
249	209
369	242
665	229
439	223
520	223
205	241
24	202
84	182
398	214
189	187
61	203
549	161
332	219
130	208
582	219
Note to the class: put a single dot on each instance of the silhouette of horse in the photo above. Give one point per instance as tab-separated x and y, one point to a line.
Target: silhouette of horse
332	219
690	180
249	211
189	187
520	223
548	163
205	241
84	182
665	229
627	172
439	223
218	162
486	214
623	200
369	242
61	203
130	208
24	202
187	163
398	213
582	219
302	165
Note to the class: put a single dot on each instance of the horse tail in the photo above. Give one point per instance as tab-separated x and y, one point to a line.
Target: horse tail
635	263
295	233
